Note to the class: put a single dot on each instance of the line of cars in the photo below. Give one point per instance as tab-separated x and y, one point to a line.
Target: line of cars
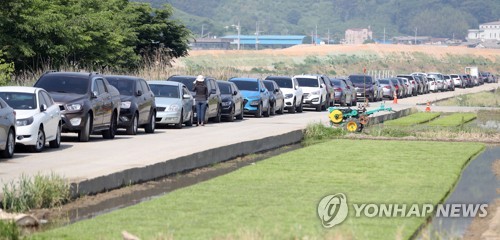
91	103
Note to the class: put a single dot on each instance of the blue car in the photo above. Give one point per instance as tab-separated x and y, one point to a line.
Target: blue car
255	95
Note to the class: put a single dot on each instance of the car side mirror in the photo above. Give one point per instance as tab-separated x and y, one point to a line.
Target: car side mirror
235	93
43	108
262	90
186	96
94	94
276	90
138	93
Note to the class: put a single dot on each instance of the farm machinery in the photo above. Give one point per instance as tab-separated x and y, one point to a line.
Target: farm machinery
353	120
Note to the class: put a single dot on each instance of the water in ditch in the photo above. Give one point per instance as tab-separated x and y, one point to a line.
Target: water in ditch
477	185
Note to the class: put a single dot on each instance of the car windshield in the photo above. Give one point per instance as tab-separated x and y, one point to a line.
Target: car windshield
188	81
384	81
64	84
124	86
446	77
247	85
166	91
308	82
360	79
436	76
269	86
19	101
395	81
336	82
283	82
225	88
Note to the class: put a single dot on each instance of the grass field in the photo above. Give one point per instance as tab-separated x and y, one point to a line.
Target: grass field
453	120
277	198
481	99
413	119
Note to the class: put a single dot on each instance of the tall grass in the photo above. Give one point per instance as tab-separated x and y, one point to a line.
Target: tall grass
39	191
317	132
9	230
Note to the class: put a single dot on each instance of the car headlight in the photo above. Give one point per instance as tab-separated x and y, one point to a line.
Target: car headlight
315	92
289	95
172	108
126	104
24	122
254	102
74	107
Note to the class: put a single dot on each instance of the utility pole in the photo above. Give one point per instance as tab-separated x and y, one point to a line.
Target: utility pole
415	36
316	35
384	35
202	30
257	35
239	32
328	36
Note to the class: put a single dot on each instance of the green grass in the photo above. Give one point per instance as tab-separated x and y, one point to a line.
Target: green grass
277	198
318	132
481	99
453	120
416	118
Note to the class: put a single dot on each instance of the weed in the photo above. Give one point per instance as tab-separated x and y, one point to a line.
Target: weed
9	230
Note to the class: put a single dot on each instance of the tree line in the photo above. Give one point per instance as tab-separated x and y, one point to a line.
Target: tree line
86	34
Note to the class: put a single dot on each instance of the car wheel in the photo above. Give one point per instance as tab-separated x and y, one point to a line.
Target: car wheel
231	115
40	141
282	109
9	145
181	120
56	143
110	133
301	106
240	116
273	109
84	134
218	118
293	108
132	129
150	127
267	113
258	113
189	123
320	106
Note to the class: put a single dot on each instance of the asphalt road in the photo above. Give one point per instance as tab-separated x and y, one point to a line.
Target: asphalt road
78	161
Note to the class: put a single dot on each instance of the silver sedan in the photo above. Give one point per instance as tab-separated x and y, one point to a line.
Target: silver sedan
174	103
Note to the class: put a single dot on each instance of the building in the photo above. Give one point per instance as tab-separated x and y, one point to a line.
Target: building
210	43
264	41
358	35
412	40
486	31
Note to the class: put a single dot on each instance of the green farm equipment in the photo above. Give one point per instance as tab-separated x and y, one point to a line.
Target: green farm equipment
352	119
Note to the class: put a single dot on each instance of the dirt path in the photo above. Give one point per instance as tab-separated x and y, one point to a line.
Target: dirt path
487	228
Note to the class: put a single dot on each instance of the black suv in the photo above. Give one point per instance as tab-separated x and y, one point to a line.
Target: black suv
138	108
366	87
88	103
214	109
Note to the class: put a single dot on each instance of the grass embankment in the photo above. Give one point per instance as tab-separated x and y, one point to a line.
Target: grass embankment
480	99
416	118
277	198
454	120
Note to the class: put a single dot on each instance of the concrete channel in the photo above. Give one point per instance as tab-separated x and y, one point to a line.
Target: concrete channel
101	165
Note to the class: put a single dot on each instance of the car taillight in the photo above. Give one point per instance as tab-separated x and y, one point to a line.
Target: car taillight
338	89
387	87
413	82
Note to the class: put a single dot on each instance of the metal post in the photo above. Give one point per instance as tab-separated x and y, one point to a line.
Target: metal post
239	31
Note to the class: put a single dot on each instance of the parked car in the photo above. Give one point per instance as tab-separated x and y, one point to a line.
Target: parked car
316	94
38	118
408	85
400	91
232	101
433	84
388	88
7	130
365	87
343	94
457	81
174	103
404	87
449	82
138	107
423	80
487	77
291	90
438	77
214	108
330	89
88	103
351	87
416	85
277	98
255	94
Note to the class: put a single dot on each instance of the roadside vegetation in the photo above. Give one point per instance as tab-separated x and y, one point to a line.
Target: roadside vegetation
35	192
277	198
319	132
481	99
453	120
413	119
9	231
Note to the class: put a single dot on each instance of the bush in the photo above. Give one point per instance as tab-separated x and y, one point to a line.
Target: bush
9	230
41	191
6	70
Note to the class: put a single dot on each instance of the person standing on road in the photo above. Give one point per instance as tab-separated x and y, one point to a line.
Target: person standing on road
200	97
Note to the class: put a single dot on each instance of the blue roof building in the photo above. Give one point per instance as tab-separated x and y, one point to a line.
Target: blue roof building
265	41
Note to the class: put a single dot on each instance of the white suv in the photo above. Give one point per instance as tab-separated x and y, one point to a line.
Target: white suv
315	92
292	92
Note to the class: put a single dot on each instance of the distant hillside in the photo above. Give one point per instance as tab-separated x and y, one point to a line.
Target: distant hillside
437	18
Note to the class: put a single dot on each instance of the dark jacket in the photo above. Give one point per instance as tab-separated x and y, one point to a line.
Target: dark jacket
201	91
